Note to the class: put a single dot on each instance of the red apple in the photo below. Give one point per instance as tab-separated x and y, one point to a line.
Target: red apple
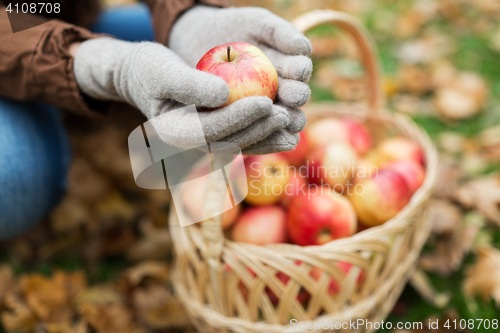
333	164
318	218
245	68
266	177
193	197
296	157
297	185
326	131
397	149
379	198
412	172
344	130
334	287
261	226
359	136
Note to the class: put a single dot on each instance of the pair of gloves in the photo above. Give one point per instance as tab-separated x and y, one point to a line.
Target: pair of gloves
160	81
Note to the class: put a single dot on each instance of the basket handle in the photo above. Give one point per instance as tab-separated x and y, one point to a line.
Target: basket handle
371	62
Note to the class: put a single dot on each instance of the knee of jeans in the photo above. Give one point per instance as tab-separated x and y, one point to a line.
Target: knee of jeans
33	169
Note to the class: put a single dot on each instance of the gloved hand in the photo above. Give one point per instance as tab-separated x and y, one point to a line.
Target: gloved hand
154	79
203	27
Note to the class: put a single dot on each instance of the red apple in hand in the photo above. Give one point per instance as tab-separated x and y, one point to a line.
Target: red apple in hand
380	197
318	218
246	70
261	226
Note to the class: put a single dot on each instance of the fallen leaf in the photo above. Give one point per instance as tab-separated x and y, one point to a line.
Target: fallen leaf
112	318
449	251
482	194
155	270
463	97
483	278
100	294
155	243
446	216
50	297
18	317
158	308
8	283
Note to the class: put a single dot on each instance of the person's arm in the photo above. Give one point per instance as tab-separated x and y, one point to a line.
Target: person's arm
36	65
166	12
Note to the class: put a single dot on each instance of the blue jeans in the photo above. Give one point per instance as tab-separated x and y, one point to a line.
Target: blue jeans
34	149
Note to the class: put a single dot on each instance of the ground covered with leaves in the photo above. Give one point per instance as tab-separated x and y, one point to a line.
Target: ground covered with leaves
100	261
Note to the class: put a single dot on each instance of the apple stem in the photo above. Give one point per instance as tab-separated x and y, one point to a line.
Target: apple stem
229	53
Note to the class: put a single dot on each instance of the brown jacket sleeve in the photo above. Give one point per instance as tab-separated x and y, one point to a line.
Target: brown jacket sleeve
35	64
165	12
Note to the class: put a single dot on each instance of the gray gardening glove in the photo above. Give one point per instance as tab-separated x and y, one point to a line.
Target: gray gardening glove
154	79
202	28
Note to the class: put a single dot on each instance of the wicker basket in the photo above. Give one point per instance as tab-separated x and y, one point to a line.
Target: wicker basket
387	254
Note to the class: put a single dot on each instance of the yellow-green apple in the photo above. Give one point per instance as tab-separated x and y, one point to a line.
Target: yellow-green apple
333	164
193	197
397	149
296	157
344	130
297	185
367	166
245	68
334	286
320	217
380	197
412	172
266	176
261	226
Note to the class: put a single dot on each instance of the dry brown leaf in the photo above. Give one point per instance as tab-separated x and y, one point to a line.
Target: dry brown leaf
100	294
482	194
8	283
415	79
429	48
446	216
155	243
115	207
449	251
158	308
463	97
50	298
70	214
80	327
112	318
448	179
18	317
87	183
155	270
483	278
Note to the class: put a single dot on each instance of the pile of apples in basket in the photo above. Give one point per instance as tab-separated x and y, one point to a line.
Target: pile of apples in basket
334	184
